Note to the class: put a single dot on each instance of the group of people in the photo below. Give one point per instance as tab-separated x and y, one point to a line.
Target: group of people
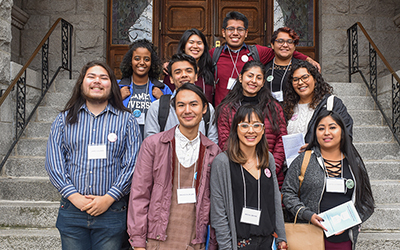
158	161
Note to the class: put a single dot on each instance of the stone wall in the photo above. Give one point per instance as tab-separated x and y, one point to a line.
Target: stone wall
377	17
6	118
90	29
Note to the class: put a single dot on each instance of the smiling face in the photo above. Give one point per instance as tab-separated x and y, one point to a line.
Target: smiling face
96	85
304	84
284	51
141	62
182	72
329	134
250	138
252	81
189	109
234	39
194	47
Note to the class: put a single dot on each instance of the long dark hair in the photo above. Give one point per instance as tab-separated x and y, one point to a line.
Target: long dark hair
126	64
364	199
234	152
292	98
205	62
266	102
77	99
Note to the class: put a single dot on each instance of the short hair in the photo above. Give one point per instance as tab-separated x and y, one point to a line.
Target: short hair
192	87
234	15
288	30
126	64
182	57
234	152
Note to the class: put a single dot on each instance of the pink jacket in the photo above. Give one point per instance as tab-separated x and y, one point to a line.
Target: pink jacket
275	144
151	191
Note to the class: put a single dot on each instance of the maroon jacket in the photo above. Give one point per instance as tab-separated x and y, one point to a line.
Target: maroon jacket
275	144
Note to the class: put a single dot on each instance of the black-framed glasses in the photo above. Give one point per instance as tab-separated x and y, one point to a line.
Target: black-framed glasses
231	30
281	41
304	78
257	127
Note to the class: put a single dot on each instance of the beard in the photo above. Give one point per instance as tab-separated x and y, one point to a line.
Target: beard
95	99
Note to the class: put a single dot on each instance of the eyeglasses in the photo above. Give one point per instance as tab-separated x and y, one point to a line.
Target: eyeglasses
304	78
282	41
230	30
257	127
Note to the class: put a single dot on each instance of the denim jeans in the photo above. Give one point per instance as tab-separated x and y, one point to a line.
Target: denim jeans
81	231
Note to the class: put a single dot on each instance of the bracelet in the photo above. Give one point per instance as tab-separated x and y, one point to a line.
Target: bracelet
281	247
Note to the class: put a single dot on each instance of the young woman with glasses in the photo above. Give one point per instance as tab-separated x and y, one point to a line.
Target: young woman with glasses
306	95
249	88
245	199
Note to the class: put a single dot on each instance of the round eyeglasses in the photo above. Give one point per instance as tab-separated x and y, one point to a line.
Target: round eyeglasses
245	127
281	41
304	78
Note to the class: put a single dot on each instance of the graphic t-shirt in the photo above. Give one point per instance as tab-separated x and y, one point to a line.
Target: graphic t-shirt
139	103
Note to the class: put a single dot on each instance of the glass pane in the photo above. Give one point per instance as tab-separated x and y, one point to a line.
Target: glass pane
298	15
131	20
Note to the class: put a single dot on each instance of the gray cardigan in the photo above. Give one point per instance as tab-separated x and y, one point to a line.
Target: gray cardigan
222	214
152	127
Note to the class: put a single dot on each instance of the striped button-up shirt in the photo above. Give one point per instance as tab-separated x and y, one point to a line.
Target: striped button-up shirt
67	162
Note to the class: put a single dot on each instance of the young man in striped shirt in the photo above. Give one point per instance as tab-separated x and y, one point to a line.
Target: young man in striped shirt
90	158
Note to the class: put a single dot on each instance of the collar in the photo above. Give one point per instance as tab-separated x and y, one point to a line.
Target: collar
109	108
183	141
244	46
168	136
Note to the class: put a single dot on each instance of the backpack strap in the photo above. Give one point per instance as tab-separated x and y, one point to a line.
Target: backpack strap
163	111
304	165
254	53
206	119
215	57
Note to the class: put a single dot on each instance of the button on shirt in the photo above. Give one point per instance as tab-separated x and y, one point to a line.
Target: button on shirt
186	150
71	171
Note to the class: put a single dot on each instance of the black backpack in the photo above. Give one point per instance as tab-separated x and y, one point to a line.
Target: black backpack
218	50
163	112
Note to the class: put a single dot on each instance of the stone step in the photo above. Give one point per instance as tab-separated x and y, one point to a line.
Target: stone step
372	133
383	170
349	89
374	240
385	217
28	189
29	166
28	214
30	238
358	102
31	147
386	191
378	150
37	130
367	118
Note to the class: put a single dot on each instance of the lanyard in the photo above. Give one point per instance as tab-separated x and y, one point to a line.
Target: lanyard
244	187
179	174
283	77
147	91
234	63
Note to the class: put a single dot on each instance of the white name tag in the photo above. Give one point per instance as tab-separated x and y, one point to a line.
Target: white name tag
97	152
186	195
278	95
250	216
335	185
141	119
231	83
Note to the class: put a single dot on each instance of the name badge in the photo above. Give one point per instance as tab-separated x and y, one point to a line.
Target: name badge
231	83
97	152
335	185
186	195
278	95
250	216
141	119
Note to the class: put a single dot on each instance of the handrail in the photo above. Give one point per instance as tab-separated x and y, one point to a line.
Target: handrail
20	80
393	124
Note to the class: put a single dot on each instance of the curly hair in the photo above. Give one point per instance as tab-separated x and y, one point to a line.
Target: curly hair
126	64
291	98
288	30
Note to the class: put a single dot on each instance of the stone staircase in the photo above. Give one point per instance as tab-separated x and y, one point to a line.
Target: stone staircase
29	203
381	154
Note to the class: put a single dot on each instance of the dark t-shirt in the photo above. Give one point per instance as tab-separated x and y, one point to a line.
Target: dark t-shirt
139	103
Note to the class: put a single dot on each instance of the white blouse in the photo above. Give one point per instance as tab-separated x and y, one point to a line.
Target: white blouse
300	119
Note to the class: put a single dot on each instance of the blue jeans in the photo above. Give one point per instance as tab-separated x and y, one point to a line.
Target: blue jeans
81	231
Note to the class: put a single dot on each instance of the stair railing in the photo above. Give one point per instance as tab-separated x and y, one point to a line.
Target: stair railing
394	122
20	80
